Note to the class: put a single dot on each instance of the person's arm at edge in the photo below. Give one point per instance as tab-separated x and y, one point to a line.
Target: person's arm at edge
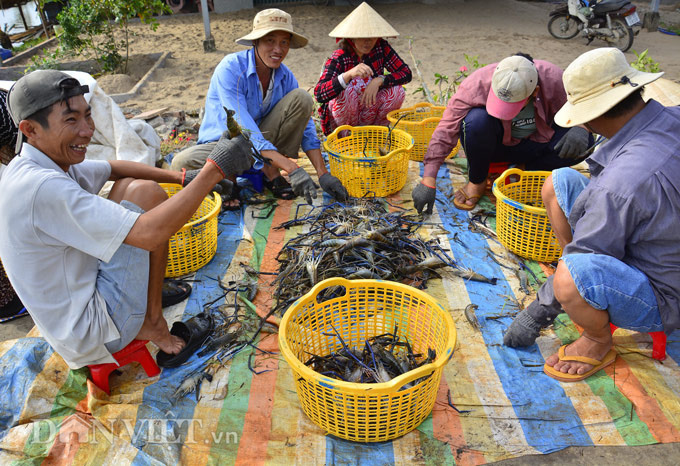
126	168
155	227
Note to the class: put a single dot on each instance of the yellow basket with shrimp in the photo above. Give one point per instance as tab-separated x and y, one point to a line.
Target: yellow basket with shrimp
196	242
420	122
357	161
354	311
522	223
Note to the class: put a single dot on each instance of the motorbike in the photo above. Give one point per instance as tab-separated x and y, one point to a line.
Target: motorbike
609	20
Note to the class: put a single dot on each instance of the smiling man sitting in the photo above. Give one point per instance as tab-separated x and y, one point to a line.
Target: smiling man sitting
269	106
90	270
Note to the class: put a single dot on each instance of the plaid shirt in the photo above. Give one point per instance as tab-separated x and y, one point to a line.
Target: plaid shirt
381	57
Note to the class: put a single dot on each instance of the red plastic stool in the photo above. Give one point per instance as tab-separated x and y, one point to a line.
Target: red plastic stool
136	351
658	343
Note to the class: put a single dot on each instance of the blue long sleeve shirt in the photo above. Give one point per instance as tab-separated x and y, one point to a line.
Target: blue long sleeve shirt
235	85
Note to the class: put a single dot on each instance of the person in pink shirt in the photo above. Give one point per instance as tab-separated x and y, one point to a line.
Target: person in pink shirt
503	112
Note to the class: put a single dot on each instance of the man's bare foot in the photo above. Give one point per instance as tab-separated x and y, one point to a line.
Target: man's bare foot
584	346
472	191
159	334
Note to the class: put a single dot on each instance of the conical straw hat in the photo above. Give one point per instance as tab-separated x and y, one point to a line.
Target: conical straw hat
363	23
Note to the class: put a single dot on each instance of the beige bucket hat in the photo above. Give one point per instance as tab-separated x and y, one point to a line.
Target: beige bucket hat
363	23
270	20
595	82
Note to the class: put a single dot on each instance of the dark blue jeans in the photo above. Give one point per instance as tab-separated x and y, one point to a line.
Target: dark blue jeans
482	138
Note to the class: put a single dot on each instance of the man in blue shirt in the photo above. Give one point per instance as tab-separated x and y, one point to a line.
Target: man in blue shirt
618	230
269	106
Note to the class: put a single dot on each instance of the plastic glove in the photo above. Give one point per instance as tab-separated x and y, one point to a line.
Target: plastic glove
334	187
423	196
232	156
523	331
302	184
573	144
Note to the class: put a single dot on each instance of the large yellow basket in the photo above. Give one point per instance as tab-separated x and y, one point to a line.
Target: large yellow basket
196	242
358	310
356	161
420	122
522	223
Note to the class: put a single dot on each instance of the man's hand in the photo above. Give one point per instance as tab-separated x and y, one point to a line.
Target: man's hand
302	184
232	156
334	187
573	144
369	96
423	196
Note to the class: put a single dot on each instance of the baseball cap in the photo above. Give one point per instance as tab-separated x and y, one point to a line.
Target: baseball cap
513	81
37	90
595	82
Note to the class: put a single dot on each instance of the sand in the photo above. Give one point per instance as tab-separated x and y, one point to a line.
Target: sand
441	33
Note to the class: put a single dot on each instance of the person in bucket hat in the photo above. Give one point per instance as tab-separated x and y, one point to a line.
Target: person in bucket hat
90	270
270	108
618	229
503	112
353	88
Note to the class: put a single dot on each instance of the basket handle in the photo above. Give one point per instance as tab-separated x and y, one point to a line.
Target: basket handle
341	128
328	283
510	171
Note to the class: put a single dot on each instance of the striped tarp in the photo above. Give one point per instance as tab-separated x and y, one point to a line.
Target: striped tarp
508	407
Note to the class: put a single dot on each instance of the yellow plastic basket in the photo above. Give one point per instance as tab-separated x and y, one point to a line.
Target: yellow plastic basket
521	220
419	121
356	161
358	310
196	242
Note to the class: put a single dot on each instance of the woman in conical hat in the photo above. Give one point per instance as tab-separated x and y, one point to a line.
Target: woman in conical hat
353	89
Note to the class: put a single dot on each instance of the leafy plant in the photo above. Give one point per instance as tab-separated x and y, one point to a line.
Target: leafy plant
93	28
175	142
644	63
447	85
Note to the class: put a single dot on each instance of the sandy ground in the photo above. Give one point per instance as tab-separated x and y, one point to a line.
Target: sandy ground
441	33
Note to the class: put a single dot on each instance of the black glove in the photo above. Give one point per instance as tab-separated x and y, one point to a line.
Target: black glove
232	156
302	184
541	313
573	144
423	196
334	187
223	187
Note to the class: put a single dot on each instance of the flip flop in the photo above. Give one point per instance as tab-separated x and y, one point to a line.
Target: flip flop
194	332
608	359
174	291
463	205
280	188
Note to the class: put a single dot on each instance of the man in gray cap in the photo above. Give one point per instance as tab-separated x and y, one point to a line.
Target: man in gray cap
618	229
90	270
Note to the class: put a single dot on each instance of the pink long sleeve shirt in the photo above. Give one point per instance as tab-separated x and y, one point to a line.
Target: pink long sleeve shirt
473	93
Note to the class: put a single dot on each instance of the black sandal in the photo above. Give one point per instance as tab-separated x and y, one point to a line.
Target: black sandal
174	291
194	332
280	188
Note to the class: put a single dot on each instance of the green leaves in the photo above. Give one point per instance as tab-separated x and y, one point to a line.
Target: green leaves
645	63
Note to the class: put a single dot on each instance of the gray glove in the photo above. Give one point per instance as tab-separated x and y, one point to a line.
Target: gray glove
423	196
302	184
541	313
573	144
232	156
334	187
223	187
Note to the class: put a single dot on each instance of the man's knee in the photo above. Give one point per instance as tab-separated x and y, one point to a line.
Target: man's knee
302	100
146	194
192	158
548	191
478	123
564	287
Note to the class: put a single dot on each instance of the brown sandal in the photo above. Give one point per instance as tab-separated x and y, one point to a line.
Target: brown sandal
464	205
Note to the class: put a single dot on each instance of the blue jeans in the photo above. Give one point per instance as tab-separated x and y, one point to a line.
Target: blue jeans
481	136
603	281
123	282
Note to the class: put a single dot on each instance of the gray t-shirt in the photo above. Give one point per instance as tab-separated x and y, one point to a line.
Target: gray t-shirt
55	230
524	124
631	206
